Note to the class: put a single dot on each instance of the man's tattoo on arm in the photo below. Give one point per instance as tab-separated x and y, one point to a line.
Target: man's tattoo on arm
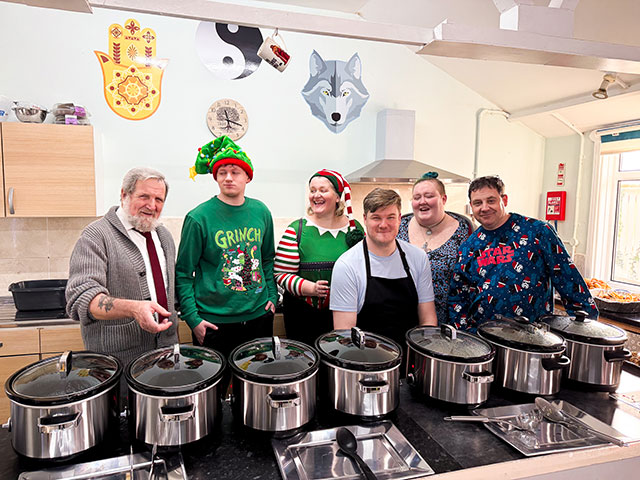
106	303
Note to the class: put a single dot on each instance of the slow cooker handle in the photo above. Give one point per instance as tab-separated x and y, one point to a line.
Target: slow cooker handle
53	423
357	337
555	363
373	385
617	355
176	414
64	364
447	331
275	347
580	315
283	400
478	377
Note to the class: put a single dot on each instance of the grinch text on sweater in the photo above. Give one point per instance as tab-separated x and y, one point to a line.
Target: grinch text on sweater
495	255
227	238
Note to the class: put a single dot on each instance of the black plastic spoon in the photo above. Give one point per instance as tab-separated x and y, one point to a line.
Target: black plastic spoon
349	445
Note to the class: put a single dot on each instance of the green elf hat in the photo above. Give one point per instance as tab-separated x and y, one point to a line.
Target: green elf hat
342	186
222	151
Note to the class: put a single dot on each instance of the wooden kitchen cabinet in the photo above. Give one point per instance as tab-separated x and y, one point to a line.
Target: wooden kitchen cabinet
60	338
20	347
48	170
184	333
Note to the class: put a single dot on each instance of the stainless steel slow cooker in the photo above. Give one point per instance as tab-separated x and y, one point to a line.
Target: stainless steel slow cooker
449	365
274	383
173	394
63	405
360	372
529	357
596	349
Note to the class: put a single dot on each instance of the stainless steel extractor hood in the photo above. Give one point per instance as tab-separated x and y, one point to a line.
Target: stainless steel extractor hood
395	134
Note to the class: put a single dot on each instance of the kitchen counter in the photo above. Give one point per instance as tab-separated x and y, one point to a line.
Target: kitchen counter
455	450
10	317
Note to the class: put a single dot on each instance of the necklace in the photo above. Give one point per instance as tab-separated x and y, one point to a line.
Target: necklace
429	231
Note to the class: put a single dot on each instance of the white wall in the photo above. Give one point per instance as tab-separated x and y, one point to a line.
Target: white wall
567	150
46	56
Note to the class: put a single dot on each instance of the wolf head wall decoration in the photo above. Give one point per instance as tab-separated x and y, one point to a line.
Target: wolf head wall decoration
335	92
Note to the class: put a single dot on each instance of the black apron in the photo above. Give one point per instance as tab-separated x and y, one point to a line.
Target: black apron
390	304
304	322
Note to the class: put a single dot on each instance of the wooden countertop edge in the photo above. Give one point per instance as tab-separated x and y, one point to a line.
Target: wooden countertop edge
624	326
543	464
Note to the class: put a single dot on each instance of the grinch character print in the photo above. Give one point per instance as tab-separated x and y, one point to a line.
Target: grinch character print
240	269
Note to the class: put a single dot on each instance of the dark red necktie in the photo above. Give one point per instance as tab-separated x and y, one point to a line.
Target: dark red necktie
161	293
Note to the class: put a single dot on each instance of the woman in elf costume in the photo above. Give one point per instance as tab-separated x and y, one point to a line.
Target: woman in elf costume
307	252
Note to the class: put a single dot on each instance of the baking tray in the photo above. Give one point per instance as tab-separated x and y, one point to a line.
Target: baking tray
606	305
316	456
547	437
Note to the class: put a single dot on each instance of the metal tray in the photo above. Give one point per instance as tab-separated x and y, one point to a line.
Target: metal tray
127	467
315	455
546	437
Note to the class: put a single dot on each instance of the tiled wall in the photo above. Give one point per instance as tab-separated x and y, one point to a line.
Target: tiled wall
39	248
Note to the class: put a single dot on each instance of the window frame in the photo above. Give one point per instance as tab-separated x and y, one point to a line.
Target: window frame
604	207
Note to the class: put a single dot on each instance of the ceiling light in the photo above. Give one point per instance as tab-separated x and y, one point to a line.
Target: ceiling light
607	80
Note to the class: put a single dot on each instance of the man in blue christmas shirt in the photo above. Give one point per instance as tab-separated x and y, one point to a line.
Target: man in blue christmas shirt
509	265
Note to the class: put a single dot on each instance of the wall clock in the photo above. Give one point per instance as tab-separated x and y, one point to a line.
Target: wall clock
227	117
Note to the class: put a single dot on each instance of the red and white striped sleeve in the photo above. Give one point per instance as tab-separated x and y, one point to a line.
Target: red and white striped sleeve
287	262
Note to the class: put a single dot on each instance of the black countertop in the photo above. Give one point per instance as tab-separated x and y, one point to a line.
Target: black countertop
10	316
234	451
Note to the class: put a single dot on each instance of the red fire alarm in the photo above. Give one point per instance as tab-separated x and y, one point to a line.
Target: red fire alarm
560	179
556	203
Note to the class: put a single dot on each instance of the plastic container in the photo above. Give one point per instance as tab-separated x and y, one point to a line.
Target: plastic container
39	294
61	109
5	108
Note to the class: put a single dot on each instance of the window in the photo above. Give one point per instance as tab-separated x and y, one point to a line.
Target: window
614	232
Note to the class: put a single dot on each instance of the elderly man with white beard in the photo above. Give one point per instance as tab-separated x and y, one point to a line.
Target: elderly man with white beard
121	273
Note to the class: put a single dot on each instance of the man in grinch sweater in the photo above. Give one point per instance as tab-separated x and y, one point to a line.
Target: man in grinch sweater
509	265
224	270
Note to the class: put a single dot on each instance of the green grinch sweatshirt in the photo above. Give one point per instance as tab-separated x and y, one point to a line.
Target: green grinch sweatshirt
224	269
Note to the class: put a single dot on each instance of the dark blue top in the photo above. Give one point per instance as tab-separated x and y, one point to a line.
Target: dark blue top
511	271
442	260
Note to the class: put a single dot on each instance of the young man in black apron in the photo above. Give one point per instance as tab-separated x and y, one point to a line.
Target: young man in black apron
382	285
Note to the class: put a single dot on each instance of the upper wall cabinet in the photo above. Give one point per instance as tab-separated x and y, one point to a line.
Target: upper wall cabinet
48	170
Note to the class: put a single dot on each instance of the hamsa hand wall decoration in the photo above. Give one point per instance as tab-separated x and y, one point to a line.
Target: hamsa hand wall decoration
131	72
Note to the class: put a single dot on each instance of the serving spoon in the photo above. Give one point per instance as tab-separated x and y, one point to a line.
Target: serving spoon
349	445
525	421
554	414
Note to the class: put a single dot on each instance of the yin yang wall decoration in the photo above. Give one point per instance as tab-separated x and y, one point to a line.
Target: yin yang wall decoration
228	51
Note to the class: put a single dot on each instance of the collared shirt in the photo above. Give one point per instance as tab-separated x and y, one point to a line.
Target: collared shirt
138	239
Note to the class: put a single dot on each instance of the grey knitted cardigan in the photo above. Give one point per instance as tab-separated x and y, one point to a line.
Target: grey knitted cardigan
105	260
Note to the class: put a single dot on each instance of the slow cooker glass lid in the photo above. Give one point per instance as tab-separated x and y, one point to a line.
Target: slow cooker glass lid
432	340
259	357
43	380
169	368
376	350
587	330
514	333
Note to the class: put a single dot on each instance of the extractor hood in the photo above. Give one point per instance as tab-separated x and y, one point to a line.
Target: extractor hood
395	134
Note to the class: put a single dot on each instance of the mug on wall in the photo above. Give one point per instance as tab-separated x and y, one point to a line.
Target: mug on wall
272	53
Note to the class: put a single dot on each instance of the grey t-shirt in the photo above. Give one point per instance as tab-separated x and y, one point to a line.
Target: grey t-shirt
349	277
